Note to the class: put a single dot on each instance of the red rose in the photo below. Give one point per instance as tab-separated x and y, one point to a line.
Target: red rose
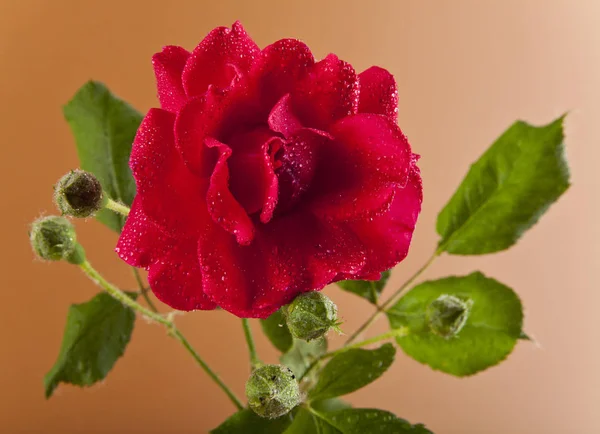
266	174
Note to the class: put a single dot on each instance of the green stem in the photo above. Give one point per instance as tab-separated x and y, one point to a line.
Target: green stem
395	296
143	289
373	291
156	317
179	336
395	333
117	207
254	361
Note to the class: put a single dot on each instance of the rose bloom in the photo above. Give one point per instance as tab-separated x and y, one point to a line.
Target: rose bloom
265	174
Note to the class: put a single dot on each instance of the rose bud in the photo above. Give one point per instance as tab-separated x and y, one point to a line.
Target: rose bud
53	239
78	194
447	315
272	391
311	315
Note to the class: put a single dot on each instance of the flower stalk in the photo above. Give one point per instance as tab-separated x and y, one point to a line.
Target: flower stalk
119	295
254	360
143	289
117	207
394	333
394	298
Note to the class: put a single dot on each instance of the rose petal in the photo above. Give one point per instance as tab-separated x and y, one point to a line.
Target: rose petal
142	242
217	116
376	144
169	193
176	279
298	165
357	172
292	254
387	236
282	118
168	67
208	63
252	177
224	209
329	92
378	93
355	201
279	68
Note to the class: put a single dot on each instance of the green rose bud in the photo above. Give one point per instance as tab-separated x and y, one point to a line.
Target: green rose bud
311	315
447	315
79	194
53	239
272	391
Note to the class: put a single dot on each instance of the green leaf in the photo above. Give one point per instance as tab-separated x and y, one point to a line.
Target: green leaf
104	128
248	422
364	420
332	404
351	370
276	329
489	335
506	191
351	421
367	289
302	354
306	422
95	336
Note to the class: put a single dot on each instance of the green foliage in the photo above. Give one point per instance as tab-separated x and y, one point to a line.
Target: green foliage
276	329
363	420
302	354
306	422
300	421
95	336
247	422
104	128
506	191
351	370
351	421
367	289
458	325
489	334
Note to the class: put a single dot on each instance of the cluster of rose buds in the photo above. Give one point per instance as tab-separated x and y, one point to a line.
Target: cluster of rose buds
272	390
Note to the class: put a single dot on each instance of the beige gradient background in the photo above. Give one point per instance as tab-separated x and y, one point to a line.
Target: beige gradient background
466	69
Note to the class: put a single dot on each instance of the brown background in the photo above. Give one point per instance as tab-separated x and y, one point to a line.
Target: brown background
466	70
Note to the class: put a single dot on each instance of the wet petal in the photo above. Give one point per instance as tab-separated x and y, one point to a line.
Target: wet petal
387	236
292	254
223	55
282	118
142	241
378	93
176	279
168	67
279	68
252	176
328	93
169	193
223	207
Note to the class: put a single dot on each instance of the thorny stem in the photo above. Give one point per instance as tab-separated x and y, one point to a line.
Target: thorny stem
156	317
254	361
396	296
